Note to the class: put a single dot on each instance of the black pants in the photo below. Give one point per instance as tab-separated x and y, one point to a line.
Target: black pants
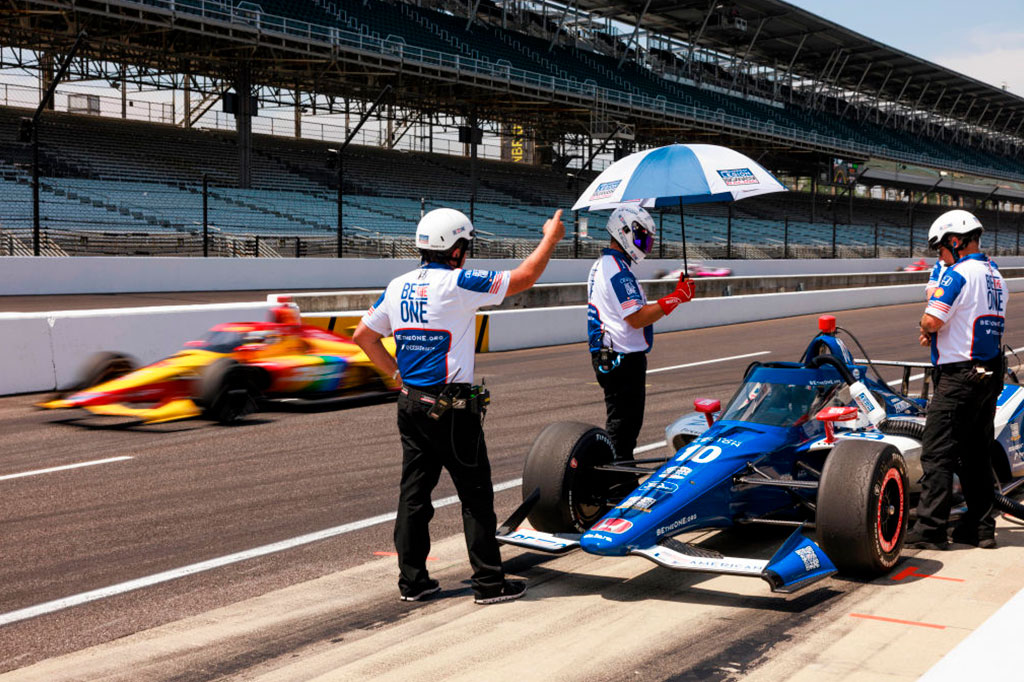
455	442
958	435
625	392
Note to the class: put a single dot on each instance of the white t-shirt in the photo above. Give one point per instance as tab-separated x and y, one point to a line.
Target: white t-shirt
612	295
432	312
971	301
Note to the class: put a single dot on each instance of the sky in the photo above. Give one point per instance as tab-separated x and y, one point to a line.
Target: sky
983	39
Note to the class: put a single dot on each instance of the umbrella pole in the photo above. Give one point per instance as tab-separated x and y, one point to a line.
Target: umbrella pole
682	227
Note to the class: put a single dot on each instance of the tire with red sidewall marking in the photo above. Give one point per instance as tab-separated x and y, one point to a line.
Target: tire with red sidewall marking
573	496
862	507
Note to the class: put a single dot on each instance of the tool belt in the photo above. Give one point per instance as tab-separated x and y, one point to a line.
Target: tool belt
451	397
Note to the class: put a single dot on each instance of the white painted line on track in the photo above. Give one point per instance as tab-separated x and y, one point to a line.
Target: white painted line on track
79	465
707	362
165	576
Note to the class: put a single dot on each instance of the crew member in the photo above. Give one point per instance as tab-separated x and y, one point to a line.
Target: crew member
963	323
431	311
620	323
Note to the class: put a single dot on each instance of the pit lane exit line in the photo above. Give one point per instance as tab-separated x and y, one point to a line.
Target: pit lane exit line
65	467
708	362
210	564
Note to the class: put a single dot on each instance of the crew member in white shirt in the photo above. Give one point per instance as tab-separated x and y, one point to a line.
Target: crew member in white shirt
963	324
431	311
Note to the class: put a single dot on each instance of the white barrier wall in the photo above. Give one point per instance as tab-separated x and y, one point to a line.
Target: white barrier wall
26	358
44	351
100	275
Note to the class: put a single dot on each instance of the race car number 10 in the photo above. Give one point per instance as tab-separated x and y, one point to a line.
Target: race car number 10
697	454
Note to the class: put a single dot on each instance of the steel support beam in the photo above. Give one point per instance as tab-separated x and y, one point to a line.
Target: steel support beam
792	61
856	90
746	53
636	30
896	102
700	33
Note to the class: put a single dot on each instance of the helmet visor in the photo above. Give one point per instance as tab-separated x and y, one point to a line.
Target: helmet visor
642	239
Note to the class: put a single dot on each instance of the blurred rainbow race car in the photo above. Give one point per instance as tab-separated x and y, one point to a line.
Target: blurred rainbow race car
225	375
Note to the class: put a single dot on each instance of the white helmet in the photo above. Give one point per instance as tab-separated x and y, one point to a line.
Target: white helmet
441	228
957	221
633	228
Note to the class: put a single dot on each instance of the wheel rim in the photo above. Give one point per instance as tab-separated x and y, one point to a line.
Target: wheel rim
889	514
585	508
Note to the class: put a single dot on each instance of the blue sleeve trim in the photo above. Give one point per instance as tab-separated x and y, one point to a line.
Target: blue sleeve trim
950	286
481	281
626	289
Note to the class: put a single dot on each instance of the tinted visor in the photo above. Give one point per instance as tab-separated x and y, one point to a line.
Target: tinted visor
642	239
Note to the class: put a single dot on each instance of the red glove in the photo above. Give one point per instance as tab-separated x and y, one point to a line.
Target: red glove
682	293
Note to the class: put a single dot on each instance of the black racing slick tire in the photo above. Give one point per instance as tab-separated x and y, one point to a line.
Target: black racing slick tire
862	507
573	496
100	368
227	391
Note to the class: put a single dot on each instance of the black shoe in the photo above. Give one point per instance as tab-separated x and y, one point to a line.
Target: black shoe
964	536
917	540
510	589
969	536
420	592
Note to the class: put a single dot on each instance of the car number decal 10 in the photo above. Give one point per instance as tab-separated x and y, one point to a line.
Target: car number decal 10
699	454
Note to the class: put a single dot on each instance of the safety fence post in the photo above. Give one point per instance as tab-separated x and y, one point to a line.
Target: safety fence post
833	232
876	240
298	247
206	224
995	237
661	234
257	255
728	235
785	237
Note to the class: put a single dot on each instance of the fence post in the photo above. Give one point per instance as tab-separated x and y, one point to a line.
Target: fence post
206	225
876	240
785	237
298	246
257	246
661	234
833	231
728	234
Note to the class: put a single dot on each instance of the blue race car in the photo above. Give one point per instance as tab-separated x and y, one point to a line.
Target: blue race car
816	445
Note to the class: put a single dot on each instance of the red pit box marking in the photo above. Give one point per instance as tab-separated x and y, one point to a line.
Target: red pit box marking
909	572
897	620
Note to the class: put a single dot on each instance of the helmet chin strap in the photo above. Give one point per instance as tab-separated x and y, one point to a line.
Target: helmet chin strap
955	250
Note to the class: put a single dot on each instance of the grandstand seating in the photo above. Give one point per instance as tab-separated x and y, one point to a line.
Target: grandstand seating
130	176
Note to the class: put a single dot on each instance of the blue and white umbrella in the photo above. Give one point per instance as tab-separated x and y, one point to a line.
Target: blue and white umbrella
678	174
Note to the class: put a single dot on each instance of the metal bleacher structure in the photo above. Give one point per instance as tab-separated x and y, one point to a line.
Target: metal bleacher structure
779	83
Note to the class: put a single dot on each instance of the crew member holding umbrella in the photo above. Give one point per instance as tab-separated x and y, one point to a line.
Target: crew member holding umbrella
620	323
619	317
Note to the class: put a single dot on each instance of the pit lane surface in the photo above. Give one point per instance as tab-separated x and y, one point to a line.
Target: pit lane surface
193	492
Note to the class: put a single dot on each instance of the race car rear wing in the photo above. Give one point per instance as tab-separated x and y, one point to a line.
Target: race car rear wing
908	367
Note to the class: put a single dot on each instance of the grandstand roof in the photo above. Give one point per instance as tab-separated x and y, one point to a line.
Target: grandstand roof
777	32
